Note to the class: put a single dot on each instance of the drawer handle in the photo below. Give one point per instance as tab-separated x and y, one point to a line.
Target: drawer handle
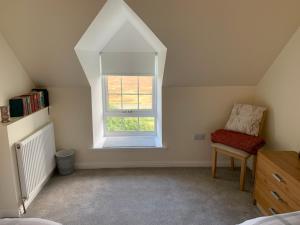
276	196
273	211
277	177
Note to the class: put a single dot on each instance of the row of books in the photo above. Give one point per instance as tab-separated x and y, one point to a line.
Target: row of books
28	103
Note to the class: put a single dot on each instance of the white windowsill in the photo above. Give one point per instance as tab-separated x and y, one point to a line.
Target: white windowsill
129	143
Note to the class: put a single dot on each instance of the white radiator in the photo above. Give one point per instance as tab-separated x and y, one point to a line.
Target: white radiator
36	161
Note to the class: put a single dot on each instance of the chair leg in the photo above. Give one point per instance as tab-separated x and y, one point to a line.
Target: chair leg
214	162
254	166
243	174
232	163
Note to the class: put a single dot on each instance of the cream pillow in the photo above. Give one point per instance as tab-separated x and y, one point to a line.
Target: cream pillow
245	119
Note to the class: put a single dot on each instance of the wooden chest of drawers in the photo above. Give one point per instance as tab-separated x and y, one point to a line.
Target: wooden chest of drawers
277	182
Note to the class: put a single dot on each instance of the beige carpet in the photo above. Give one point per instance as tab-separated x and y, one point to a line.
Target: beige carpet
164	196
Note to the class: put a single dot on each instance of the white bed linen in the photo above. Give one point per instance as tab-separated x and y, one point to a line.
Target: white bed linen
279	219
27	221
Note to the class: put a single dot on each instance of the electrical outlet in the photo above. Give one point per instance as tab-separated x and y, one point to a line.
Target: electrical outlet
199	137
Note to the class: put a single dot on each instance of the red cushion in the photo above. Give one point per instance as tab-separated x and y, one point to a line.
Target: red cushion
248	143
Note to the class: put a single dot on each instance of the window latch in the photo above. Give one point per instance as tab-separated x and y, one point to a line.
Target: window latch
127	111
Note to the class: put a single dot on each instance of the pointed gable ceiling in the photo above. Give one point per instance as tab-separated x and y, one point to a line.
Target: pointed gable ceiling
128	39
210	42
115	18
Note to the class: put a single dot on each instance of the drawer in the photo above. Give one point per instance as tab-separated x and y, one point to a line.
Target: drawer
266	206
276	197
278	178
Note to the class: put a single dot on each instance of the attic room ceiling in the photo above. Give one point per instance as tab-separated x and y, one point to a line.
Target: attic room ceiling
128	39
210	42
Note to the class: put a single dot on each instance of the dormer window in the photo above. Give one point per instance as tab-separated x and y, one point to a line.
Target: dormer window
124	63
129	85
129	107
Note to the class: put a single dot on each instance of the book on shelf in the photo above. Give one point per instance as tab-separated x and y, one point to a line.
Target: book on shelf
17	107
45	98
28	103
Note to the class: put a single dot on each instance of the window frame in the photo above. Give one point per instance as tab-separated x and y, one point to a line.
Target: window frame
129	113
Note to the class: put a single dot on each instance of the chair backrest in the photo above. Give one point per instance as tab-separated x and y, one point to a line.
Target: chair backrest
261	125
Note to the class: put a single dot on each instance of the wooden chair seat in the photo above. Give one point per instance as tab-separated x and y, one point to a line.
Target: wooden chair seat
229	150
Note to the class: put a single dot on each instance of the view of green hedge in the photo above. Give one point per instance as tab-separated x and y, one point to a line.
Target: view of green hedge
115	124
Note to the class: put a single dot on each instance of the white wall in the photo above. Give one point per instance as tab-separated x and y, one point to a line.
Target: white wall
187	111
13	78
280	90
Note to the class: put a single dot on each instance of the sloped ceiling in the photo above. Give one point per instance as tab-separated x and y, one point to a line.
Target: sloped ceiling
210	42
128	39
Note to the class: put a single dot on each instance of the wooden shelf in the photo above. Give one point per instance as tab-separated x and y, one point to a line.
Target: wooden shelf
16	119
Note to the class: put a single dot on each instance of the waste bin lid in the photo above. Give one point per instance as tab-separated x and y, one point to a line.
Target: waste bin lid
65	153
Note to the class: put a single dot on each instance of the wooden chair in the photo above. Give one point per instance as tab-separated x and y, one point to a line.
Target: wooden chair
234	153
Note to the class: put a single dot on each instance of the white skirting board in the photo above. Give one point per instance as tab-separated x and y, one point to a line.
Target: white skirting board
143	164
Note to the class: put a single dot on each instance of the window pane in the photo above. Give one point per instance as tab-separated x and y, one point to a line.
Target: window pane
145	101
130	101
114	102
114	84
121	124
145	83
147	124
114	124
129	84
131	124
